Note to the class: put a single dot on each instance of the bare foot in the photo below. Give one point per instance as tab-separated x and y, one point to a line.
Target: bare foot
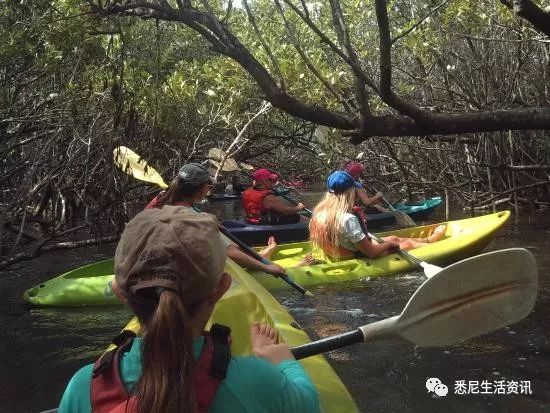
271	245
439	233
308	260
264	340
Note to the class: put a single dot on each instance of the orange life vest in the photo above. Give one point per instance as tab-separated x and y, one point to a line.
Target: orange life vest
252	202
108	394
341	252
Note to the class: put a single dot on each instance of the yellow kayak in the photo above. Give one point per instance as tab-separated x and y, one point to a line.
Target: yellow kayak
463	238
246	302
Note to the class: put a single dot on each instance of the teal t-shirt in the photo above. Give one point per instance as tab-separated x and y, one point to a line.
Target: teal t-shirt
252	384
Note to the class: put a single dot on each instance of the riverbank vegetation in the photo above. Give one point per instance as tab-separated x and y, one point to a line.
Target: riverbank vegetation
435	97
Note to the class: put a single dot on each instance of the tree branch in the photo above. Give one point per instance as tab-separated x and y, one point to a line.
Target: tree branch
343	38
386	92
453	123
308	62
539	18
228	44
266	47
324	38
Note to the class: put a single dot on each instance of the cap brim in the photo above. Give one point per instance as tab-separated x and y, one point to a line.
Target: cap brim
357	184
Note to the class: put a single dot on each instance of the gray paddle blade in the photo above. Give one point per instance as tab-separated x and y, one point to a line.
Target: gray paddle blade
403	219
471	297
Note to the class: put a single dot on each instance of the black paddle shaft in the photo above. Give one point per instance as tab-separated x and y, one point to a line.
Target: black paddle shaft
292	201
254	254
328	344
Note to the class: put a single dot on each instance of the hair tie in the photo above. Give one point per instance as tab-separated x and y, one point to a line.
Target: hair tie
160	290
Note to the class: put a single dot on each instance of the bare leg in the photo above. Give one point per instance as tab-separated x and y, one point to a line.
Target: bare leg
271	245
439	233
407	244
265	344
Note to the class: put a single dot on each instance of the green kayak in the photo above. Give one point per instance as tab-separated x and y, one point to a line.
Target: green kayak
463	238
89	285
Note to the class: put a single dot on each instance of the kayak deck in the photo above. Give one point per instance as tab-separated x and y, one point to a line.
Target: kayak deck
246	302
463	238
88	285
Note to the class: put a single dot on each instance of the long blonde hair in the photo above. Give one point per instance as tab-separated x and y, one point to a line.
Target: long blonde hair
327	221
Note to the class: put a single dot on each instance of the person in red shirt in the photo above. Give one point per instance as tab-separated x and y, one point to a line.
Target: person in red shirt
190	187
263	206
355	169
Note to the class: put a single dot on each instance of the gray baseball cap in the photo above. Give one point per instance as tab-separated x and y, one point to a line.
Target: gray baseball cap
194	173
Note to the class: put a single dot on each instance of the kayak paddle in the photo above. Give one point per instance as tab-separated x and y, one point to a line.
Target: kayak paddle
401	217
292	201
429	269
254	254
471	297
134	165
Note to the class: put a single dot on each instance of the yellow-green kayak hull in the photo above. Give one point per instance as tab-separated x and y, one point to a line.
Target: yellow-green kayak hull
463	238
246	302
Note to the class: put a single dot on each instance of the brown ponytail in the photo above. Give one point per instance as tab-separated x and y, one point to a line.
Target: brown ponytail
178	191
166	384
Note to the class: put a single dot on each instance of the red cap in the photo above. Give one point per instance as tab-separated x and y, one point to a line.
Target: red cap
262	174
354	169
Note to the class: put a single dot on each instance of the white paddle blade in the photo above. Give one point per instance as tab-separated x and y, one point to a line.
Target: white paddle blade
429	269
131	163
471	297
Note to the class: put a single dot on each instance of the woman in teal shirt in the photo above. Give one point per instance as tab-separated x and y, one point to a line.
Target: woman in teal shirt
169	270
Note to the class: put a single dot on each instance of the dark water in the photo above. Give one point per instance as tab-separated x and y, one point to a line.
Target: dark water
40	349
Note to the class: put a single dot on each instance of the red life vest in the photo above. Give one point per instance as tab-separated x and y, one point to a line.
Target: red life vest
252	201
154	202
108	394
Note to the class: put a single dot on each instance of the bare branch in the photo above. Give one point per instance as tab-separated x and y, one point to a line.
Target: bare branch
266	47
343	38
539	18
386	92
419	22
455	123
307	61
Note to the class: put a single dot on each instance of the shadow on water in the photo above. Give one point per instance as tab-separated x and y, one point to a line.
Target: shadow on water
41	348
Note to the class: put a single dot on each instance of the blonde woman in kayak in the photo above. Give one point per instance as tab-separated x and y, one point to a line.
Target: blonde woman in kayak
337	231
169	269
